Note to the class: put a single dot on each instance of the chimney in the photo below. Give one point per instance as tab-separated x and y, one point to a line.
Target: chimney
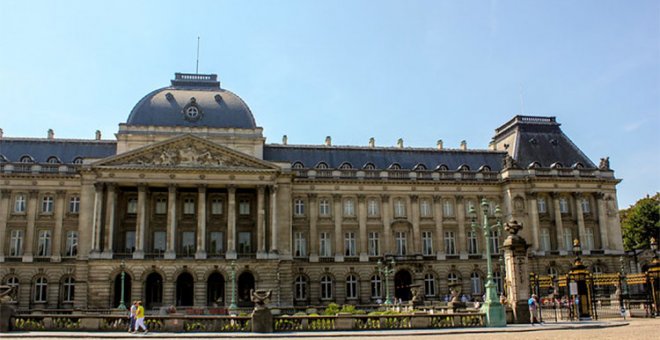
97	135
439	144
399	143
463	145
51	134
285	140
492	145
372	142
328	141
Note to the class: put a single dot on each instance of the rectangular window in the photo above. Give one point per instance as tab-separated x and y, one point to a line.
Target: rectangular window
74	204
586	207
448	208
69	290
542	205
372	208
349	244
161	205
473	243
299	207
216	243
494	240
131	205
469	205
425	208
299	244
568	239
427	243
545	239
450	243
244	207
563	205
44	243
71	243
589	239
19	204
188	206
216	206
374	244
16	243
400	237
244	242
324	244
160	242
129	242
47	204
324	208
399	208
349	208
188	243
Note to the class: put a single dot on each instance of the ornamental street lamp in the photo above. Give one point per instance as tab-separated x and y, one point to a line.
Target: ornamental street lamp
623	287
232	273
122	305
653	277
386	270
495	313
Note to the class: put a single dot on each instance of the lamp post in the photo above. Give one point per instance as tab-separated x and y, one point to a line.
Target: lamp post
386	270
122	305
622	287
653	276
495	313
232	276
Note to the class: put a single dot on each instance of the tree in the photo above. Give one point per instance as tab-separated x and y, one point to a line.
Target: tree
640	222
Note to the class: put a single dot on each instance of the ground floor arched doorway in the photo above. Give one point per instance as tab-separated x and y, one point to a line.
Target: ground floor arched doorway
402	282
185	290
215	290
153	291
116	301
245	285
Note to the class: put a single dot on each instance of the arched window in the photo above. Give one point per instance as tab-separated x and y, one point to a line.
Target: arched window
429	285
300	288
376	287
68	289
322	165
346	166
78	160
351	287
40	290
53	160
26	159
475	283
326	287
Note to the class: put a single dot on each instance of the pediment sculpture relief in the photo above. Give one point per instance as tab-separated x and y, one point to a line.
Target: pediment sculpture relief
187	155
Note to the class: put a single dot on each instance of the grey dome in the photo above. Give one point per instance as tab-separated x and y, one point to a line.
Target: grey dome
194	100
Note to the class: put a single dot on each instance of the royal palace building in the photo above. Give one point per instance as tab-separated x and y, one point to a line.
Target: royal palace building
189	197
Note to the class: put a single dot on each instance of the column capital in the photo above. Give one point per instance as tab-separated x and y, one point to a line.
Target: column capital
578	194
336	197
201	188
142	187
599	195
385	197
532	194
414	198
273	188
459	199
437	198
60	193
261	189
5	193
231	189
361	198
111	186
33	193
99	186
312	196
555	195
171	188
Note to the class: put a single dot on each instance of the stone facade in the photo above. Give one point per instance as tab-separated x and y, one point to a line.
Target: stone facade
174	204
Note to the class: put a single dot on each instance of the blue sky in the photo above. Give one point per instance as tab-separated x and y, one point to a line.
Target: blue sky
417	70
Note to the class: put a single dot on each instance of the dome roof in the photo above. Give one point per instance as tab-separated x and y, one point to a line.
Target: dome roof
194	100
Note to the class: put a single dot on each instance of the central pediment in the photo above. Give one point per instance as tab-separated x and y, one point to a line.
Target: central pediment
185	152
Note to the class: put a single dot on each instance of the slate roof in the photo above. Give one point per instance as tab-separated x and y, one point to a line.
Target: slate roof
66	150
540	139
220	108
382	158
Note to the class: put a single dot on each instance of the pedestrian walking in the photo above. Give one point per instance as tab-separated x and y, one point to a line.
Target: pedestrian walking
131	316
139	318
533	308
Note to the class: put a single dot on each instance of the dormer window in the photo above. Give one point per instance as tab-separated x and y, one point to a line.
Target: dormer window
192	112
26	159
53	160
369	166
298	165
78	160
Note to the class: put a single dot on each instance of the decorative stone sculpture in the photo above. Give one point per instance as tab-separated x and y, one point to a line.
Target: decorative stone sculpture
604	163
7	309
509	163
262	318
455	303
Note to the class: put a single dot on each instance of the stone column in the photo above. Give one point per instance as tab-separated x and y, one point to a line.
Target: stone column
337	216
57	232
387	224
580	221
261	223
31	214
200	254
460	218
517	272
97	223
439	228
313	228
4	213
111	210
362	225
170	251
141	222
534	218
602	221
231	223
274	253
416	233
558	224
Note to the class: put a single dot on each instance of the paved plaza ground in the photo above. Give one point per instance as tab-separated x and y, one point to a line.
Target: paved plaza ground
620	330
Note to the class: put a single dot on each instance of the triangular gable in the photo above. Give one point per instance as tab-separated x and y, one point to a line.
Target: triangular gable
185	151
